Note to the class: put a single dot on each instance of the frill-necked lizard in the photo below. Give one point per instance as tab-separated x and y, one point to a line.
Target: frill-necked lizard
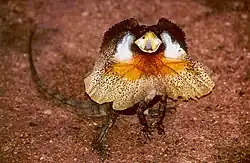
137	67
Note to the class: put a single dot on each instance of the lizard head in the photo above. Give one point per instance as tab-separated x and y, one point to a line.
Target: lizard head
127	39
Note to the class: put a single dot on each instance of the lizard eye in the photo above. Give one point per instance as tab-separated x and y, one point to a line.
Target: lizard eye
173	48
149	42
123	50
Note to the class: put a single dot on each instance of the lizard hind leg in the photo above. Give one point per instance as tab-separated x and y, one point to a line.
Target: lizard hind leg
98	142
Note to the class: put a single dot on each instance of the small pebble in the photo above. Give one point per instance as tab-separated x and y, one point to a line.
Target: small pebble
244	16
85	13
47	112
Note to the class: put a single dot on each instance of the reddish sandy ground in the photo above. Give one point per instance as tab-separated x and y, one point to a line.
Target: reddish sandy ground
32	129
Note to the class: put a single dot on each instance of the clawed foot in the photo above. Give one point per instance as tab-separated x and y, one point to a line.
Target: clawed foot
147	132
171	110
160	128
102	149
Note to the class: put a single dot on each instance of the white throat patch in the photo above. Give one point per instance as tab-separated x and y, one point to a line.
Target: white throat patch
123	51
173	49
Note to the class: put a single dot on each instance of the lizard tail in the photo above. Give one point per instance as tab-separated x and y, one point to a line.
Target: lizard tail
85	108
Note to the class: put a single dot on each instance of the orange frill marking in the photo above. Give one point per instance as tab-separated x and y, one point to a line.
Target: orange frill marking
148	65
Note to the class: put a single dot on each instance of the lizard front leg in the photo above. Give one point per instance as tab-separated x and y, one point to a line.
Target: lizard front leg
161	115
142	106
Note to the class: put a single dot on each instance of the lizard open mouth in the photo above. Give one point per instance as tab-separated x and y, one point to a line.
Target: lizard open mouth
149	42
